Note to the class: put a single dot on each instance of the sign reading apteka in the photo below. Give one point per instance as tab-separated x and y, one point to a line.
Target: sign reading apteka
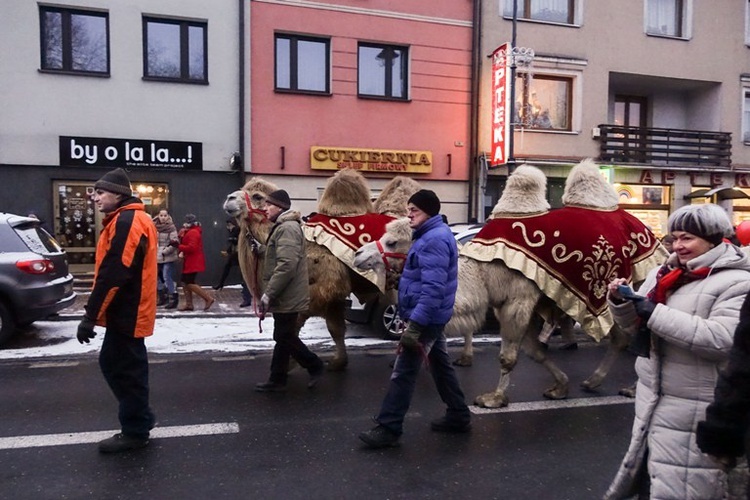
130	153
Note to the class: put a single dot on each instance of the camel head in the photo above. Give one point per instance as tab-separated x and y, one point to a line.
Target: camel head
387	255
395	195
248	200
346	193
524	193
586	187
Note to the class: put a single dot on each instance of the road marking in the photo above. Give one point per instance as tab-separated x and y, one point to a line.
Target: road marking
41	440
54	364
555	405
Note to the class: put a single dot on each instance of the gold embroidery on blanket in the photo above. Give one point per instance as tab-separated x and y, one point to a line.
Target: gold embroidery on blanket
536	234
601	267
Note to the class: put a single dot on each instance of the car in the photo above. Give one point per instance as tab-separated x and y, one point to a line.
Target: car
381	314
34	278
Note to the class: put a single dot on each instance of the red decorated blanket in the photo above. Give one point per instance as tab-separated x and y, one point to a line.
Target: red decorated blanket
572	254
345	235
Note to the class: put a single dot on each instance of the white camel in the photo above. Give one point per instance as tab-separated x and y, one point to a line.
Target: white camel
501	272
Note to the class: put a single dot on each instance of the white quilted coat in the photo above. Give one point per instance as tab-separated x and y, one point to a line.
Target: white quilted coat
691	338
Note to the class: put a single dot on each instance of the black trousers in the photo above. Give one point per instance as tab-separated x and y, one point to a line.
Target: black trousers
124	364
288	344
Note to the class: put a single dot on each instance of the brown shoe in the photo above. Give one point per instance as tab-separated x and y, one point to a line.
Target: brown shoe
209	303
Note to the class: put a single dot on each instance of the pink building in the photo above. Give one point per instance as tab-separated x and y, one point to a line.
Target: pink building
383	86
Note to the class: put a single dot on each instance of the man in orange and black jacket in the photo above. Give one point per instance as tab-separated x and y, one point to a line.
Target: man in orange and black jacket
123	300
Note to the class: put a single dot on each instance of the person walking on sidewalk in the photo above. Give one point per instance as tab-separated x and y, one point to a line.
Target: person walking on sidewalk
123	301
426	293
166	256
191	248
286	292
233	259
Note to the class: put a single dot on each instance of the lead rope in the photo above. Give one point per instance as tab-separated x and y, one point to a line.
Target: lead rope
256	250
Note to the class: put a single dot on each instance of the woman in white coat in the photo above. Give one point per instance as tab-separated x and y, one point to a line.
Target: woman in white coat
688	310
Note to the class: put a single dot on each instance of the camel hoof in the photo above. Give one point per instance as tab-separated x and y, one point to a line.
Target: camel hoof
464	361
628	392
556	393
337	365
590	385
491	400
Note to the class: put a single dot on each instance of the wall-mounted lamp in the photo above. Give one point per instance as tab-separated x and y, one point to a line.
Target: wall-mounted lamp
235	161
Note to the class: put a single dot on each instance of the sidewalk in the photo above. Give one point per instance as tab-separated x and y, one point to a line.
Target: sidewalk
227	305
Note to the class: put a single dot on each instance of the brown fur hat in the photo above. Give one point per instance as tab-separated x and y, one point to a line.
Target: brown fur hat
524	193
394	196
346	193
586	187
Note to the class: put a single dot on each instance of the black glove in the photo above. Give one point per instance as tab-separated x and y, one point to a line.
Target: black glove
410	337
85	331
644	308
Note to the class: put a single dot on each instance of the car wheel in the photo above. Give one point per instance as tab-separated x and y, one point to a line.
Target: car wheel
387	321
7	323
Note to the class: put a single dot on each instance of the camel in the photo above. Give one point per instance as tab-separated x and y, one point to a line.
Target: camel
501	272
344	208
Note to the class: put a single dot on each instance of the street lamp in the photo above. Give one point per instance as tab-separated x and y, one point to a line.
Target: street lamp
522	56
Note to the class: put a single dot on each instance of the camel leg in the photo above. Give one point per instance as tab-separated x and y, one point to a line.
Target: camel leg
535	350
336	323
567	332
618	341
467	353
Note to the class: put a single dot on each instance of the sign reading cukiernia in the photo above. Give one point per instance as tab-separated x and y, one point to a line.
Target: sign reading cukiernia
370	160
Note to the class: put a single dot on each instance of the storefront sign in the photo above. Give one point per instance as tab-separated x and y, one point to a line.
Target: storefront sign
370	160
500	106
130	153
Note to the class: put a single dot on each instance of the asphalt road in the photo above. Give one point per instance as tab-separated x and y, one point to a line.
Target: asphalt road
217	438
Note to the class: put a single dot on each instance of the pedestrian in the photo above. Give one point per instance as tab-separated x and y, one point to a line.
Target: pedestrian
426	293
685	314
233	260
166	257
123	301
286	292
191	248
722	434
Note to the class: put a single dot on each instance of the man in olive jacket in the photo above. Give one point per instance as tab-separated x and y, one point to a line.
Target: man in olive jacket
286	292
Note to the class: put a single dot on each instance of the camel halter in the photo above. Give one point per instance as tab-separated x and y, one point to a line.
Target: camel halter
385	255
253	211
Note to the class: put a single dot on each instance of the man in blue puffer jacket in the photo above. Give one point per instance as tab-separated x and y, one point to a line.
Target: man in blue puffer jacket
427	291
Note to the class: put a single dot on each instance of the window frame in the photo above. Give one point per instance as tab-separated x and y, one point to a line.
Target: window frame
67	44
684	26
524	6
522	92
184	26
294	40
745	118
405	68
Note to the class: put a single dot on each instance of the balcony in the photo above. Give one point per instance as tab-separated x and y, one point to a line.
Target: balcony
664	147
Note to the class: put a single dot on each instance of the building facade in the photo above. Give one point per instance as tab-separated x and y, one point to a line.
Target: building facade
89	85
383	86
656	91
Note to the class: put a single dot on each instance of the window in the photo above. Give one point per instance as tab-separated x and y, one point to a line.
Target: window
175	50
665	17
382	71
746	115
302	64
543	101
74	40
553	11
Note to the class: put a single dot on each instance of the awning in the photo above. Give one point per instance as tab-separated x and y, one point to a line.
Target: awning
722	193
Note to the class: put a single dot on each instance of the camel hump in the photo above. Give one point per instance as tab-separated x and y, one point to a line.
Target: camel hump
346	193
524	193
395	196
585	186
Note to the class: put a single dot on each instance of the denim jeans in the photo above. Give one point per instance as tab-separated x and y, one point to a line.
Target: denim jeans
404	378
166	270
124	364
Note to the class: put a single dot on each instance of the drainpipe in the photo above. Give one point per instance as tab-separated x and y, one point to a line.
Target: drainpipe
241	93
475	193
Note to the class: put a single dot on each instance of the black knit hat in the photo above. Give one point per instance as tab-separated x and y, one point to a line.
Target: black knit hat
191	219
115	181
279	198
427	201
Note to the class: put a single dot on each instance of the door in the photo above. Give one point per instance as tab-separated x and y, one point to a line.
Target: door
631	113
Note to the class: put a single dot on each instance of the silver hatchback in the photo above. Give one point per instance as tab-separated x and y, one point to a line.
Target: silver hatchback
34	278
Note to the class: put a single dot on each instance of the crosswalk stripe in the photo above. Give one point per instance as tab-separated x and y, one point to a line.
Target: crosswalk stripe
555	404
41	440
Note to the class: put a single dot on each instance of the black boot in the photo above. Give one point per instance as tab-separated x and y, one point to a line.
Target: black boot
161	298
174	299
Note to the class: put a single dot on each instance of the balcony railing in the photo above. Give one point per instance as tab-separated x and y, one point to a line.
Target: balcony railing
664	146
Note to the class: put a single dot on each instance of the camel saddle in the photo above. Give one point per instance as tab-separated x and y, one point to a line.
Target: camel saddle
572	253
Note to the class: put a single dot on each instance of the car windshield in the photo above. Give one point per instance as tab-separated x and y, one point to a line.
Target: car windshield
37	239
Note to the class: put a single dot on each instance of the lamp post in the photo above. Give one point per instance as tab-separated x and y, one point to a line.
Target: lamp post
517	55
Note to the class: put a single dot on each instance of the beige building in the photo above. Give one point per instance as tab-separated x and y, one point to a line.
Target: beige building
656	91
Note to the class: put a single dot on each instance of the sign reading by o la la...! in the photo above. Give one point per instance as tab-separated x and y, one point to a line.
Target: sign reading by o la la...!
370	160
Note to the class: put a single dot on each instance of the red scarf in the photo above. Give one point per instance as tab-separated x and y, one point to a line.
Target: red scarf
667	281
